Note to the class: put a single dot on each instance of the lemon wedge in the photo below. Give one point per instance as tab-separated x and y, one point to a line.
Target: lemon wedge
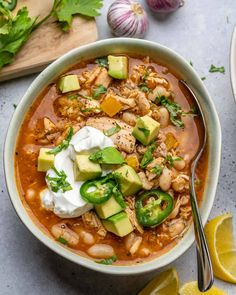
219	234
191	288
165	283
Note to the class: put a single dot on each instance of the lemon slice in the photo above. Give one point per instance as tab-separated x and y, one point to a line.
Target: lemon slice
219	234
165	283
191	288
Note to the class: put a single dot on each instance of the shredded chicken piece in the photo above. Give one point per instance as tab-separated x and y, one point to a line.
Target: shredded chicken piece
132	243
49	126
161	150
68	107
154	79
185	212
158	91
175	228
103	78
143	103
91	220
176	209
92	75
180	183
141	149
123	139
147	185
130	210
76	127
90	107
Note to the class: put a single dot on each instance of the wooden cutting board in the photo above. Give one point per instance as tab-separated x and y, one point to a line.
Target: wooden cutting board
48	42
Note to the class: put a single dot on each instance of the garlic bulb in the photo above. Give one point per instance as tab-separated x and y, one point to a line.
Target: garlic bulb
127	18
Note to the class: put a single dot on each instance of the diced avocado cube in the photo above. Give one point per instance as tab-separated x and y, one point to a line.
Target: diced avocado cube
108	208
84	169
68	83
118	66
128	180
146	130
45	160
118	224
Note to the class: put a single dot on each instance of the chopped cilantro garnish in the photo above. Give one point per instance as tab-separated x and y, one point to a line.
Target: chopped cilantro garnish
170	160
144	88
72	96
214	69
112	130
108	261
62	240
64	145
14	105
157	170
174	109
148	157
102	62
59	181
98	91
203	78
87	110
191	63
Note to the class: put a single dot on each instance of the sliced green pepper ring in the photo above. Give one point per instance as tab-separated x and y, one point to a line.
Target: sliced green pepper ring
153	207
9	4
97	191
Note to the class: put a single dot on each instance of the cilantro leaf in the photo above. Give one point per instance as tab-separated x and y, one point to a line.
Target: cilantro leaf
98	91
173	108
59	182
102	62
112	130
148	157
64	145
64	10
15	31
62	240
170	160
157	170
214	69
108	261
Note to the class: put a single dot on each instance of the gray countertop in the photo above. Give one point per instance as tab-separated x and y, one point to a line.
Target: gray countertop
201	32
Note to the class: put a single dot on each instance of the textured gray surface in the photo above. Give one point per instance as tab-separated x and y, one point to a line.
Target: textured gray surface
201	32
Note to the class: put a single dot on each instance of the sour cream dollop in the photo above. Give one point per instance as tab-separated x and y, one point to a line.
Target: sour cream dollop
69	204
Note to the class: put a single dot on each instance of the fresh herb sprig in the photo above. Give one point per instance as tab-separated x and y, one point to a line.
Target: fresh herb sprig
108	261
214	69
148	155
157	170
64	145
62	240
112	130
173	108
102	62
59	181
16	30
64	10
98	91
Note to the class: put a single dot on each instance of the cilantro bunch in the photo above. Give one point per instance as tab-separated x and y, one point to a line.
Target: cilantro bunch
16	30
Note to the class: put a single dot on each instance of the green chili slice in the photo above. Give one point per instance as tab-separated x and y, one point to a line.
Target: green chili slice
9	4
97	191
153	207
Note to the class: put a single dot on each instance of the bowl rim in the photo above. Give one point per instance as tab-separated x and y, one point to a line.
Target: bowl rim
233	63
184	244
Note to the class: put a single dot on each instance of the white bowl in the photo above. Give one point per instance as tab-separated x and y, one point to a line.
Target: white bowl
233	62
101	48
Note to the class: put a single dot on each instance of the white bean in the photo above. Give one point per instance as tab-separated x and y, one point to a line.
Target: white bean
144	252
129	240
30	194
165	179
61	230
164	117
179	164
101	251
87	238
129	118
